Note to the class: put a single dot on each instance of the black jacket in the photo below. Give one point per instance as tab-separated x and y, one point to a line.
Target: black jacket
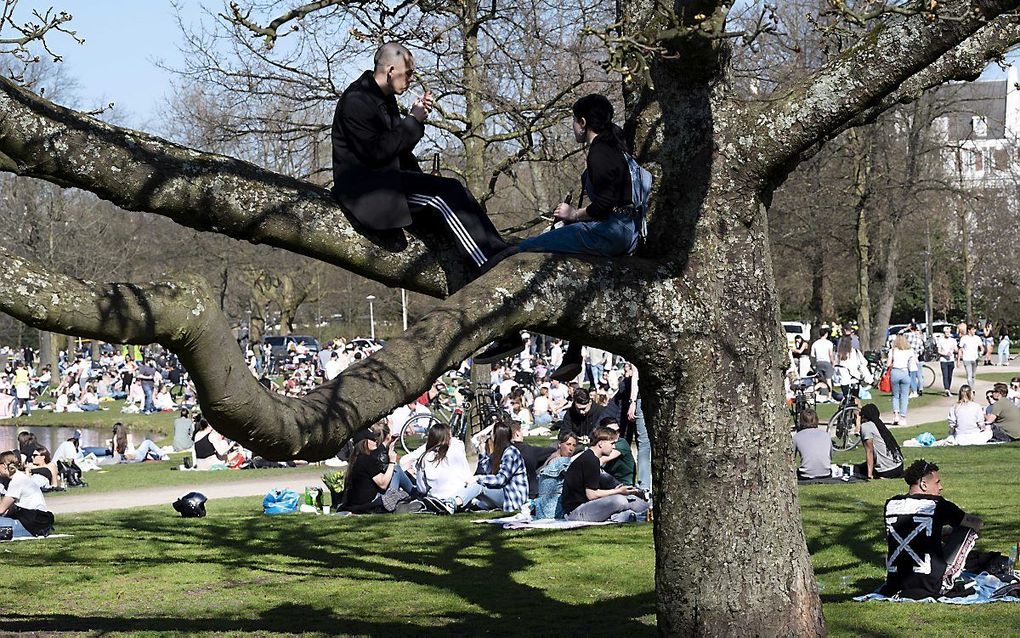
371	144
582	424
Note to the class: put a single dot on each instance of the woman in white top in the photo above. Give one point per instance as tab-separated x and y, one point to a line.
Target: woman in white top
440	466
22	506
901	359
851	366
966	419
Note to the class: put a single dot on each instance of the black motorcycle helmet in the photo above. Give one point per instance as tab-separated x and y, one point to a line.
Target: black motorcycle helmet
191	505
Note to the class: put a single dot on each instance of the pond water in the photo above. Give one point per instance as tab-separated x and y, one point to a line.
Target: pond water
51	437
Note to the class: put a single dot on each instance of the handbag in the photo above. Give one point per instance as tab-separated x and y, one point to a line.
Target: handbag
885	383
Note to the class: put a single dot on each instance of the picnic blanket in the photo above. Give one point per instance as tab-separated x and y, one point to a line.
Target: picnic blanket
520	522
985	588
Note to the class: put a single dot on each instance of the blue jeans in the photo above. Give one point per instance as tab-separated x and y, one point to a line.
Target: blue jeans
484	497
147	387
16	526
644	450
612	237
900	390
947	374
595	372
915	381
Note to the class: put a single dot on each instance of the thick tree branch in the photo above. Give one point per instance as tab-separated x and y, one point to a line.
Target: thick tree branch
893	52
964	62
527	291
205	191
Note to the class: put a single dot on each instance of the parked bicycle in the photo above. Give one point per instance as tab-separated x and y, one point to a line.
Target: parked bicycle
477	411
803	398
845	425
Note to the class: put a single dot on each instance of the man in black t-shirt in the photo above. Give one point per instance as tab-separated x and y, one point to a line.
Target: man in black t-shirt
582	498
922	562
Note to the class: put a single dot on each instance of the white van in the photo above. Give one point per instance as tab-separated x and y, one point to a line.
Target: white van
794	328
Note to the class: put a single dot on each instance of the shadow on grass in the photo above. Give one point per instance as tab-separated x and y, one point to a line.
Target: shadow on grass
477	567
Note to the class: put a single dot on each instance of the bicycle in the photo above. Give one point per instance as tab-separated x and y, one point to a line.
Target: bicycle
477	412
802	400
844	427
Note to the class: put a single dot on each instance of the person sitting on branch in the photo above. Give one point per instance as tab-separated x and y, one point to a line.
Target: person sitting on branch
375	173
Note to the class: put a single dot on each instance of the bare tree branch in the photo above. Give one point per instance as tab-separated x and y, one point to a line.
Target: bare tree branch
204	191
894	51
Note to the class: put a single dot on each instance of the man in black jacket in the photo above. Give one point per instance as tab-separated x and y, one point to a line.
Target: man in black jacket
375	174
583	416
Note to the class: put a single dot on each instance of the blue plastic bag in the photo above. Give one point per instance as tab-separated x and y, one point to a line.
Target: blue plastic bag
280	502
926	439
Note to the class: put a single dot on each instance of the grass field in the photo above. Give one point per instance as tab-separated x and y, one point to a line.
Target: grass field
240	573
102	419
133	476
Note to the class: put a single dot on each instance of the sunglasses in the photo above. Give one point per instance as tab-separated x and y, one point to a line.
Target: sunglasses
38	454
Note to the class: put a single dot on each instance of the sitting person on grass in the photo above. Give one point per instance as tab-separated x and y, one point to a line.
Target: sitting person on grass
534	456
620	462
22	506
1003	415
582	498
372	486
43	469
211	448
505	485
550	479
440	467
883	458
923	561
813	446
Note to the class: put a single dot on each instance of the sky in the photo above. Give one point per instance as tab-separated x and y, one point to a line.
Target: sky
125	42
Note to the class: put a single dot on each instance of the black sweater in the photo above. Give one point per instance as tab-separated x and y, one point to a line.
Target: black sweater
607	179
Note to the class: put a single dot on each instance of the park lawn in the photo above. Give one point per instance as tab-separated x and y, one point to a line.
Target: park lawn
995	377
237	572
101	419
130	476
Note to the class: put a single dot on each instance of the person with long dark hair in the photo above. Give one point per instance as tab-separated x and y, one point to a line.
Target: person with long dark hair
883	458
373	478
607	227
504	483
441	466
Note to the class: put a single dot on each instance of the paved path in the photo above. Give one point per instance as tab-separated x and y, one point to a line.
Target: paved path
937	411
81	501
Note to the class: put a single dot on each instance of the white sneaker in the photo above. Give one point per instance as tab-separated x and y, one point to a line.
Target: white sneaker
912	395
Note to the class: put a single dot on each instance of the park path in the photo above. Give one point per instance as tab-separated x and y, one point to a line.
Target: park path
76	501
937	411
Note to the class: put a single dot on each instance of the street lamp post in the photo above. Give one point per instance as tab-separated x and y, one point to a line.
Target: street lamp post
403	306
371	315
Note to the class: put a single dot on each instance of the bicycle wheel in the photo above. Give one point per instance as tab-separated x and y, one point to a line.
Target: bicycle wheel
929	375
843	429
415	431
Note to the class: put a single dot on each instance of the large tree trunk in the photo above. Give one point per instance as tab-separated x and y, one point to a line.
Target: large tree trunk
731	556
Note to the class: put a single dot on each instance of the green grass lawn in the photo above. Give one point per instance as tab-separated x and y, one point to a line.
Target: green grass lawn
995	377
240	573
129	476
102	419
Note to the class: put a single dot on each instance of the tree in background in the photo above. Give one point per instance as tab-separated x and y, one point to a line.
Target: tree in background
697	310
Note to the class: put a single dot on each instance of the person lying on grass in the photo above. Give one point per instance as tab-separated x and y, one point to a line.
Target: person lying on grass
922	561
22	506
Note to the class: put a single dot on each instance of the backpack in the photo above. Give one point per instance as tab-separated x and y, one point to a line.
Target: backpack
641	192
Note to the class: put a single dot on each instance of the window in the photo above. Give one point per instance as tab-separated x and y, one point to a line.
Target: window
979	125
